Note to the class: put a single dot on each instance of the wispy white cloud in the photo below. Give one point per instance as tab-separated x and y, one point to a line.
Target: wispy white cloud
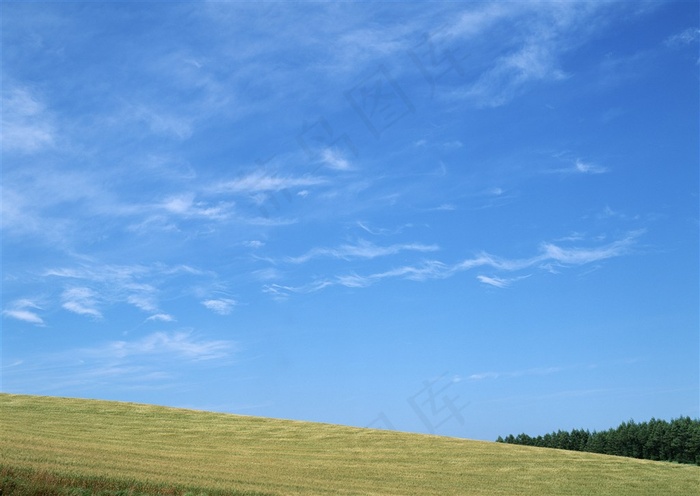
254	243
162	122
333	159
363	249
269	221
532	56
180	344
381	231
185	205
608	213
429	269
587	168
24	310
551	255
222	306
352	281
495	281
26	126
90	286
99	272
154	361
24	315
260	181
513	374
685	37
578	166
82	301
535	62
145	301
282	291
161	317
474	21
580	256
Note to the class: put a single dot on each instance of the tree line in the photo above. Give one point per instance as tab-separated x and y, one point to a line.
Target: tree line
674	441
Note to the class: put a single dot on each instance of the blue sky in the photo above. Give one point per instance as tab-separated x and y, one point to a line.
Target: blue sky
469	219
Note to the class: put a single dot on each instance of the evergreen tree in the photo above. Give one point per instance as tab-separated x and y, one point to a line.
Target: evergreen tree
677	441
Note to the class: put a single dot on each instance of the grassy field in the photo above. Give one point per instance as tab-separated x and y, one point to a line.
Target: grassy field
80	447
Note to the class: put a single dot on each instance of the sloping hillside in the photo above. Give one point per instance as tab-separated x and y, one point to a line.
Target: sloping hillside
108	446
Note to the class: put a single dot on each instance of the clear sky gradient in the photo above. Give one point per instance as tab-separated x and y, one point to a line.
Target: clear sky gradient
463	218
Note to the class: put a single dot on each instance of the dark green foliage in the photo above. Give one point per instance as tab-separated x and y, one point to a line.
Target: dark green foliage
675	441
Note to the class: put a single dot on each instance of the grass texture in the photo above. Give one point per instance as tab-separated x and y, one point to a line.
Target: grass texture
61	446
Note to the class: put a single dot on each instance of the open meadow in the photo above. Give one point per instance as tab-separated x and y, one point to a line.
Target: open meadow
72	446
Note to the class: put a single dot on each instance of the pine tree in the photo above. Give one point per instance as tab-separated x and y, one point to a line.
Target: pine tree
675	441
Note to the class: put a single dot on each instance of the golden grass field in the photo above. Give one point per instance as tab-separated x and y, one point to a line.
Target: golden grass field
68	444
